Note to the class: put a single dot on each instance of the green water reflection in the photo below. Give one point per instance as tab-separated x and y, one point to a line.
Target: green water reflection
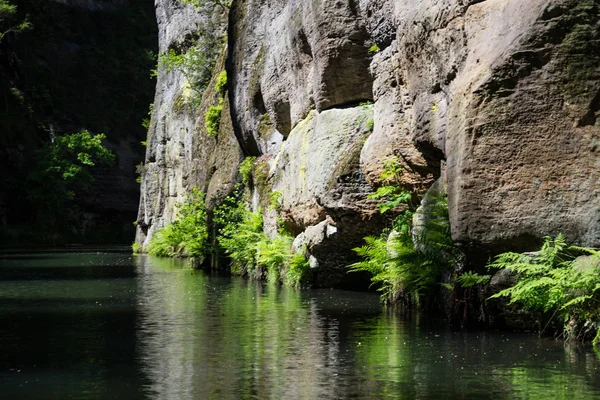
103	326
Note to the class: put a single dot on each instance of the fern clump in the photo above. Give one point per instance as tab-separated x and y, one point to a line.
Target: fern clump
552	285
298	270
187	236
251	252
275	256
411	262
240	237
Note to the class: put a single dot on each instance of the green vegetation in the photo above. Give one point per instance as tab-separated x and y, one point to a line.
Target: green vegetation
409	262
201	4
391	192
252	253
245	169
136	248
62	170
371	124
196	57
240	236
212	119
221	84
557	287
187	235
9	22
374	49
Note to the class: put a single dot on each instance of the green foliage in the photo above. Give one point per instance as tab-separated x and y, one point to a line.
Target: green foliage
136	248
202	4
411	262
275	200
550	284
371	124
146	121
374	49
187	235
470	279
274	255
62	169
221	84
251	252
240	237
245	169
408	267
298	271
9	22
196	58
212	119
392	194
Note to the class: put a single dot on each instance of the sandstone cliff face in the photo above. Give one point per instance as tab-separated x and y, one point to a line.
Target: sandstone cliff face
180	155
503	95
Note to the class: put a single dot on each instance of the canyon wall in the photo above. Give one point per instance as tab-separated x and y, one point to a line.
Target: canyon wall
499	99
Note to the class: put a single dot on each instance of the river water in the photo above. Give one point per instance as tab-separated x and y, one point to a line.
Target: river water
109	325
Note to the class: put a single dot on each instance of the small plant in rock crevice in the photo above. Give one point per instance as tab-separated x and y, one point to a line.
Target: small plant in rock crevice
212	119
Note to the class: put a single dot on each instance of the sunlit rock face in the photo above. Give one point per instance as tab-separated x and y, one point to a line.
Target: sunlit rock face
180	155
504	94
497	97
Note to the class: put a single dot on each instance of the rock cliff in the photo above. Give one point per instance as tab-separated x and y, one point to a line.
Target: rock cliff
498	98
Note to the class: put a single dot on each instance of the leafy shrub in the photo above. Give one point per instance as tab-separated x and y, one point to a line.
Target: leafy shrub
187	235
8	22
274	255
212	119
550	284
407	267
241	239
250	251
62	170
221	84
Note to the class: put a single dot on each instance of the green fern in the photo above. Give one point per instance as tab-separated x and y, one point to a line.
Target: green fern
550	285
187	236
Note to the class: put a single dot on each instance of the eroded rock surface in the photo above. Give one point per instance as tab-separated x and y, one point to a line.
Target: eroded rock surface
504	93
180	154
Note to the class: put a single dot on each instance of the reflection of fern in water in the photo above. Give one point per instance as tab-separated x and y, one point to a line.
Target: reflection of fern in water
555	286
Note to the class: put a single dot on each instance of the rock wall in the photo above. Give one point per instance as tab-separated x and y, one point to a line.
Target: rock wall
503	95
180	154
